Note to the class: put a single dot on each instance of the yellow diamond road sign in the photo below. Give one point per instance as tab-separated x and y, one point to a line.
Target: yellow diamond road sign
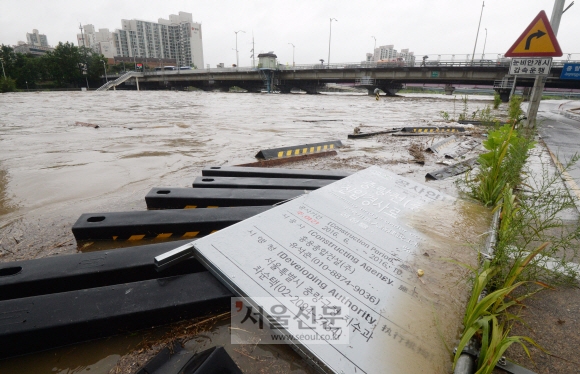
538	40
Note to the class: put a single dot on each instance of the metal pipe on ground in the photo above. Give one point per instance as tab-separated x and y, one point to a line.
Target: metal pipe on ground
56	274
47	321
260	183
189	198
257	172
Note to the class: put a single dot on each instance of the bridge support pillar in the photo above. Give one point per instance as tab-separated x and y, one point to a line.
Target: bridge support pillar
224	88
391	88
251	87
284	88
449	89
504	94
137	81
310	89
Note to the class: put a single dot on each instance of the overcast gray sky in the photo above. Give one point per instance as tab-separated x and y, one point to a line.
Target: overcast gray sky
425	26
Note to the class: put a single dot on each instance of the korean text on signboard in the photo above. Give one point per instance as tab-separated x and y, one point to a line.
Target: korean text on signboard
530	66
571	71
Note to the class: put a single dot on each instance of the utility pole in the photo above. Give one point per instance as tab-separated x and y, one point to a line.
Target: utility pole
476	36
86	65
253	52
293	64
329	38
484	43
237	56
2	62
540	81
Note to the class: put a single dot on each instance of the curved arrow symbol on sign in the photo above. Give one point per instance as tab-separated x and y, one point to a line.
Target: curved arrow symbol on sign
538	34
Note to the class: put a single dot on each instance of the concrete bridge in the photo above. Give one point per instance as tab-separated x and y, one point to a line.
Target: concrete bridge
388	77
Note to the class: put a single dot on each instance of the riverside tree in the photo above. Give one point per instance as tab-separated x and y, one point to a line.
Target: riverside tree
61	68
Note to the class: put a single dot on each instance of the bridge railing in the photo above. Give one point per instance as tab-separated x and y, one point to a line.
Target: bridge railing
499	61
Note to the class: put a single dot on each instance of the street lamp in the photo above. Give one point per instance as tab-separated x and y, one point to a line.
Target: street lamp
2	62
237	58
293	46
484	43
105	66
329	38
374	47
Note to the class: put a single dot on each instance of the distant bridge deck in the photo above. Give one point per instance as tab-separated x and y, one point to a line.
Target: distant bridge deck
367	75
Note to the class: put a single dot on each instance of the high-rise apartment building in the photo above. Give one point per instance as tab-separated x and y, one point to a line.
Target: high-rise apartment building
36	39
385	52
388	53
176	38
102	41
407	56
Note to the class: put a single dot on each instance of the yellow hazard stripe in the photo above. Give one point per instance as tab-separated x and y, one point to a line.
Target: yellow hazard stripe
297	152
136	237
164	235
281	154
190	207
214	231
212	206
190	234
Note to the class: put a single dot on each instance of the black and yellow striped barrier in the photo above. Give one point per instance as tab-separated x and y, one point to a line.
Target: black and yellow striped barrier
434	130
298	150
160	224
189	198
260	183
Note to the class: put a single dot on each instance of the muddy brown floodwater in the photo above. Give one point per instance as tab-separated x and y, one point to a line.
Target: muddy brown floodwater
52	170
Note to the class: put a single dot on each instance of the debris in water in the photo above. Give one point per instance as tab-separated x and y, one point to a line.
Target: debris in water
85	124
420	272
416	150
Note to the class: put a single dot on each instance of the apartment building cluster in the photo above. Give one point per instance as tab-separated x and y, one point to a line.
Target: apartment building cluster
36	44
389	53
177	38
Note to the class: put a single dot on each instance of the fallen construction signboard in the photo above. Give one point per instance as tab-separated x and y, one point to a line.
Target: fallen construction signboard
374	243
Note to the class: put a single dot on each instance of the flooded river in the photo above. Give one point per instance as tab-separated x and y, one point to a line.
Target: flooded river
53	169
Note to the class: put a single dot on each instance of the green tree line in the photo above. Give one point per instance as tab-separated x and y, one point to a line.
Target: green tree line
61	68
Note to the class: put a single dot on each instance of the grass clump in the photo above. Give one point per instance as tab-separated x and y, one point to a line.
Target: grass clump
487	319
496	100
533	215
501	165
515	112
7	85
